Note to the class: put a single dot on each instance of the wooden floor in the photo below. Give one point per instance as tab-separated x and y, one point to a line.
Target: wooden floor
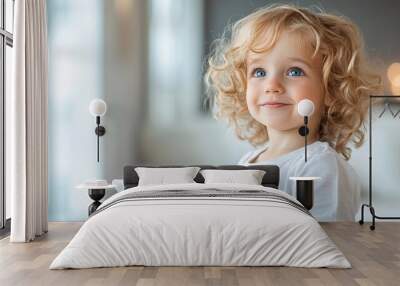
374	255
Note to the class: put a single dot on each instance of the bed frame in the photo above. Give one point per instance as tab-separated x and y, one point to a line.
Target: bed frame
270	179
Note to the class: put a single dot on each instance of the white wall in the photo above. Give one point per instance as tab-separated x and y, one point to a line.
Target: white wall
75	60
95	51
124	82
204	142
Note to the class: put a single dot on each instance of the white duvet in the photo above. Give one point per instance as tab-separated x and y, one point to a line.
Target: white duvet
200	231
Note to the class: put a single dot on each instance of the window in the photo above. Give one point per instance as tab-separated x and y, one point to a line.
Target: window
175	61
6	44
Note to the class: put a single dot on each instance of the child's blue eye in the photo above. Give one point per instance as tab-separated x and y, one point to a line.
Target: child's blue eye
295	72
259	72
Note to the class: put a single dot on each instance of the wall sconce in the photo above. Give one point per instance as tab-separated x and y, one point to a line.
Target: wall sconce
393	74
305	185
98	108
305	108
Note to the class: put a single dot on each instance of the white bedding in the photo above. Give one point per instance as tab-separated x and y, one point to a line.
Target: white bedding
200	231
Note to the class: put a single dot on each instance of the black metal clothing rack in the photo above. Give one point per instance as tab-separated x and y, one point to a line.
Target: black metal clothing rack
369	205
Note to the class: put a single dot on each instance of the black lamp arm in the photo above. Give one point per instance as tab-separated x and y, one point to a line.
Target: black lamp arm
305	138
100	131
303	131
98	125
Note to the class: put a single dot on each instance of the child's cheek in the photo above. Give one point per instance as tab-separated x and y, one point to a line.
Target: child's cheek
251	102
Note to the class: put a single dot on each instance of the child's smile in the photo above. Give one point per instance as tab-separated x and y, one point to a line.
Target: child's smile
278	79
274	105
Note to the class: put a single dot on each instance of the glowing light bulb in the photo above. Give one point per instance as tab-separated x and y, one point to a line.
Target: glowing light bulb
396	81
97	107
305	107
393	72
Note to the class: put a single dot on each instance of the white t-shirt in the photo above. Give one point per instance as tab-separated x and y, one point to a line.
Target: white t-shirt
336	194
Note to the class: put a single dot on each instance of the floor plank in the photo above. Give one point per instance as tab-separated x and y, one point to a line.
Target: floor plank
374	255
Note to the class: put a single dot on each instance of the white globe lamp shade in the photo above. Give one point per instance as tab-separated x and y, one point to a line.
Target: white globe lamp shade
97	107
305	107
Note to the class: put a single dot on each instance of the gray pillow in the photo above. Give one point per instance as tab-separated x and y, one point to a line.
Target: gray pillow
248	177
164	176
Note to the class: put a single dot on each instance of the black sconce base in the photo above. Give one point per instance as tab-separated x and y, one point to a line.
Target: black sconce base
303	130
100	130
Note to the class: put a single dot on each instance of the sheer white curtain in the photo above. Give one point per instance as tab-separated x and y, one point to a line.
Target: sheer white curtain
27	123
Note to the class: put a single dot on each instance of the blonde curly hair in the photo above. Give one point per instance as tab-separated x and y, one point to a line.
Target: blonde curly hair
347	79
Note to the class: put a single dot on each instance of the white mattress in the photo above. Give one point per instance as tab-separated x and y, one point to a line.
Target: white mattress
200	231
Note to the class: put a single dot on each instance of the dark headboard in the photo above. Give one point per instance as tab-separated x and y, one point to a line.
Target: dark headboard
270	179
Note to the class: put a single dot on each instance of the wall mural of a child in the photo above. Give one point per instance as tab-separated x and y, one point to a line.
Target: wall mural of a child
272	59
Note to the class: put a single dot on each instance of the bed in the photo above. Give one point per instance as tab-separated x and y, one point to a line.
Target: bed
201	224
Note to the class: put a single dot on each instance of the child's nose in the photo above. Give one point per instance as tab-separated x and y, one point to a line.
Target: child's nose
274	85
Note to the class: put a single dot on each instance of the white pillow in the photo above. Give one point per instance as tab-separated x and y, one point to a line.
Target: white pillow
163	176
248	177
